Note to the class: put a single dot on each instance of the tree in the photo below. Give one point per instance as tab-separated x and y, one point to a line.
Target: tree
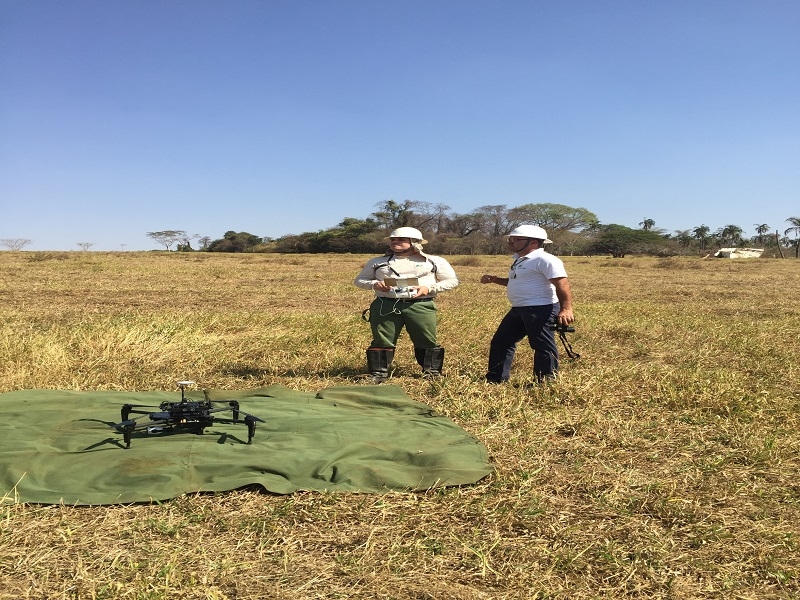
235	242
351	235
795	229
760	231
393	215
556	217
293	244
428	217
464	225
730	235
496	220
683	237
168	237
701	234
14	243
647	224
185	243
618	240
85	245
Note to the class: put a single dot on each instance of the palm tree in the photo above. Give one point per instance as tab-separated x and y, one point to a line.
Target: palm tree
731	234
647	224
795	229
760	231
701	233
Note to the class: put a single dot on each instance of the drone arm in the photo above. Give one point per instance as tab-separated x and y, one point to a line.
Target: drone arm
133	409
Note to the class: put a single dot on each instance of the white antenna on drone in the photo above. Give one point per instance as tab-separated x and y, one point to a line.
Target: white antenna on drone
183	385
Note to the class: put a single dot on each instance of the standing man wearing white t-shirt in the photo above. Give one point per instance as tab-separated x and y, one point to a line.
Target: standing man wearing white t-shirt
539	291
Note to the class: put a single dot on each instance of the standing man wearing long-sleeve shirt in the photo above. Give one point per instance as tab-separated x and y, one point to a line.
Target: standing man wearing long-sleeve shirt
405	281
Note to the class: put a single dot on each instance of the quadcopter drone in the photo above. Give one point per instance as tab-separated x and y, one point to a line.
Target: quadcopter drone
186	415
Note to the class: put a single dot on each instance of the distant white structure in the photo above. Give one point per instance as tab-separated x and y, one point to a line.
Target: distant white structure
739	252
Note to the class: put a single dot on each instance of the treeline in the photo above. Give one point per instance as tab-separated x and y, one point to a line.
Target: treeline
574	231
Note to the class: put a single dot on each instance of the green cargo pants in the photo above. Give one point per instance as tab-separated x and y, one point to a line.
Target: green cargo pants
388	316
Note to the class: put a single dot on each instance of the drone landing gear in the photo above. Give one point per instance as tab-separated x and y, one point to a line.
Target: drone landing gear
250	421
127	431
234	404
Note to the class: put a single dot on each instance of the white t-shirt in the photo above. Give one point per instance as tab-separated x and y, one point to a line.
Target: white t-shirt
529	278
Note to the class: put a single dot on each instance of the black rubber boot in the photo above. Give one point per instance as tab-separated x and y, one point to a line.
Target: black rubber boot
431	360
378	362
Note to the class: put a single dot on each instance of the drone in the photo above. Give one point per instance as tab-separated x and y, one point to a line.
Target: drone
186	415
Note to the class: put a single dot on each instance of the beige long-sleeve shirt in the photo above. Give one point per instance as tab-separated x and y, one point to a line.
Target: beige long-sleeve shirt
433	272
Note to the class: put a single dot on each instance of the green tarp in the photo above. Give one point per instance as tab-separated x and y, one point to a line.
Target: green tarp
57	446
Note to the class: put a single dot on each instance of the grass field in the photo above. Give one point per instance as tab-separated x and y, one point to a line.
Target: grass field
664	463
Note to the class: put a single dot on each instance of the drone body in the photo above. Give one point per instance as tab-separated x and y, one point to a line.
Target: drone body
187	415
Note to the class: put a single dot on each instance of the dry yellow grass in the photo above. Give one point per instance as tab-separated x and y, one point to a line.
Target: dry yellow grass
662	464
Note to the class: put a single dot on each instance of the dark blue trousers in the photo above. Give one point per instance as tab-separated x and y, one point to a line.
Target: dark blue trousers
524	321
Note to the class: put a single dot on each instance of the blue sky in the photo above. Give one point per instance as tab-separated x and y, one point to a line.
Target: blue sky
120	117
